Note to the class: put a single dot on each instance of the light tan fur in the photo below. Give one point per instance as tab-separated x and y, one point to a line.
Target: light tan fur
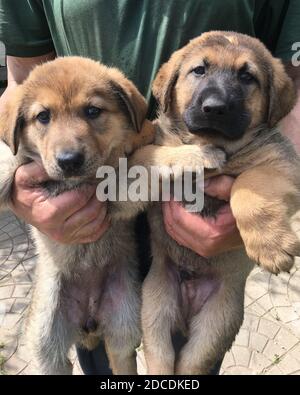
79	282
264	198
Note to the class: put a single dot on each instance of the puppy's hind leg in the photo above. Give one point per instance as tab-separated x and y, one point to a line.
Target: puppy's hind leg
121	311
212	331
160	309
47	331
122	358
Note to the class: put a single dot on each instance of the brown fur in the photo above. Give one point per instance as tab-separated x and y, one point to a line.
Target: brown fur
79	283
206	302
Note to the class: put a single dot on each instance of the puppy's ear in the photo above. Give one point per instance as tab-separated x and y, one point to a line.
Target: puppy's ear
131	100
166	79
282	93
12	121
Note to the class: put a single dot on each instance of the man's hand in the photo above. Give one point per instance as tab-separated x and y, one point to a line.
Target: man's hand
207	237
70	218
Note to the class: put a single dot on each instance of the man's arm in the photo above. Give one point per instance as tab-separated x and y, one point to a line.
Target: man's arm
291	123
18	70
73	217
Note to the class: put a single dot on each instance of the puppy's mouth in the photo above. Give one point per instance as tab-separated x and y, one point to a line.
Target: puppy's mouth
79	176
197	125
206	130
84	173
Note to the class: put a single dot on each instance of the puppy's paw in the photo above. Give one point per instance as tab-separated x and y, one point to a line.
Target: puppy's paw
274	251
186	156
195	156
213	157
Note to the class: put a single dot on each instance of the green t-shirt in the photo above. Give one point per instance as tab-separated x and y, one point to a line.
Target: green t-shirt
139	35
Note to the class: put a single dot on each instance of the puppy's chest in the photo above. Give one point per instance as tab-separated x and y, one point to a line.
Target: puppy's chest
188	263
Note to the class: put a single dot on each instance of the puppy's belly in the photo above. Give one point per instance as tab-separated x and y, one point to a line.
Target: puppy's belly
195	292
88	296
194	289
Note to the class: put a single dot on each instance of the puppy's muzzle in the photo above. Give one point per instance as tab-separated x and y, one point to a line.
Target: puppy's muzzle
70	162
215	105
218	107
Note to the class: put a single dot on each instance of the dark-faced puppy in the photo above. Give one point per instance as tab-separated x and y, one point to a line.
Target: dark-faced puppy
74	115
223	92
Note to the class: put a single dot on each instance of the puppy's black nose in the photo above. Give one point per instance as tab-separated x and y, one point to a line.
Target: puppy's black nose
214	105
70	161
90	326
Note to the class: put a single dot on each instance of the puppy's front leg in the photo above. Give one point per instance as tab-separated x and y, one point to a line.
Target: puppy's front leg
263	201
190	155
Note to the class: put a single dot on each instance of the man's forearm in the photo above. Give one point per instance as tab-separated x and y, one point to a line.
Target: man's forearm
291	123
18	70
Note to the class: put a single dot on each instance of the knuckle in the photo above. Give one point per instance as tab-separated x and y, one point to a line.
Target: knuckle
227	182
48	216
98	230
215	235
98	212
87	240
43	219
176	217
169	227
81	198
20	175
207	249
57	236
102	206
91	215
95	237
92	238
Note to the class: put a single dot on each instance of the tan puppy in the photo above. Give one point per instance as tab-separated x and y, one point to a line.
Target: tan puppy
74	115
220	99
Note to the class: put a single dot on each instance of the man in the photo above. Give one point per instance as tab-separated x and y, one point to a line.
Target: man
136	36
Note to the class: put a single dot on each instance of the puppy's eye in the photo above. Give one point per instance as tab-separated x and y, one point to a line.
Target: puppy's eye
200	70
246	77
92	112
44	117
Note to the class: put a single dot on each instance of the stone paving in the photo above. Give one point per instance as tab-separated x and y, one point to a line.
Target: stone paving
268	342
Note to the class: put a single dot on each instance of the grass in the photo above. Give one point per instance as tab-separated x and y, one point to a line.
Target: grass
276	359
2	359
2	362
